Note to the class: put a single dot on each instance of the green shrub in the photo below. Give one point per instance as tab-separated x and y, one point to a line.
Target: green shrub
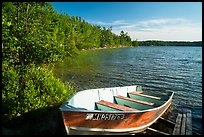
40	89
10	90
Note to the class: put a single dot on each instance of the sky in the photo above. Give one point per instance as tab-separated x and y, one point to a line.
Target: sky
167	21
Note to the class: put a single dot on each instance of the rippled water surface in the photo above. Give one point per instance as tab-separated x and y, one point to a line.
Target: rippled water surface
156	68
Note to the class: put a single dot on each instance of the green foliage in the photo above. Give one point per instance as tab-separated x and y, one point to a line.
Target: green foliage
10	89
33	33
135	43
125	39
41	89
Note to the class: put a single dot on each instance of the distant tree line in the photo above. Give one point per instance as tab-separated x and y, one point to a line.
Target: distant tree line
169	43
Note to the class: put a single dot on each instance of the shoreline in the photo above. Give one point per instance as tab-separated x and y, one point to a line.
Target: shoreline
107	48
139	46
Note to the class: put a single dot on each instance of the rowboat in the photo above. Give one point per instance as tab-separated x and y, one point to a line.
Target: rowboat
114	110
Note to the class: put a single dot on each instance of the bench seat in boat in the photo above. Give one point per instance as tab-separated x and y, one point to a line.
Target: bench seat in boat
148	96
135	100
114	106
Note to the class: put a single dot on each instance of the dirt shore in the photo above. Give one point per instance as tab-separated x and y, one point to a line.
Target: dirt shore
49	123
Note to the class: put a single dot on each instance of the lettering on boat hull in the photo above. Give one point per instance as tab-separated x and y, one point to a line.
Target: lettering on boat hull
98	116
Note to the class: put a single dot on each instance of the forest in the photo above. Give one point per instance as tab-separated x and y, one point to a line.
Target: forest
33	34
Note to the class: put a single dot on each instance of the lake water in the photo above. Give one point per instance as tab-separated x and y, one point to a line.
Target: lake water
155	68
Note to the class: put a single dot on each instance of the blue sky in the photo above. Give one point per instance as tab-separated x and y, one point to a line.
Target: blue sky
180	21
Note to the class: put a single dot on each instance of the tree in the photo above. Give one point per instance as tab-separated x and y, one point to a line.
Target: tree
135	43
31	35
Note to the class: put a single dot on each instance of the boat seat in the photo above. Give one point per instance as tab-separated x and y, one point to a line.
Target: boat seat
144	95
137	92
136	100
113	105
148	98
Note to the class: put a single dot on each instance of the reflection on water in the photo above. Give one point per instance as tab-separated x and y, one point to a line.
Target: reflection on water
156	68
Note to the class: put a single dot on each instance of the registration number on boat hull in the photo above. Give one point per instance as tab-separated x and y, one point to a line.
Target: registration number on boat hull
99	116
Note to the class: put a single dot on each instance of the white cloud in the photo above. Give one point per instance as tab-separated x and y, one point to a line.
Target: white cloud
162	21
163	29
114	23
178	29
177	33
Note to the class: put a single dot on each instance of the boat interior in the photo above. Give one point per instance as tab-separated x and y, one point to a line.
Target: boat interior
136	100
117	99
